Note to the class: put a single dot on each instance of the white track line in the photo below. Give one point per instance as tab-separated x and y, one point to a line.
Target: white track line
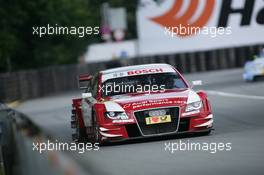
226	94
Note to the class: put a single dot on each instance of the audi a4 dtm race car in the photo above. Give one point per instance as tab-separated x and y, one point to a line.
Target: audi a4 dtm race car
138	102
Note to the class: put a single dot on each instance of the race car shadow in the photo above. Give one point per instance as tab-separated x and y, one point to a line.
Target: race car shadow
259	78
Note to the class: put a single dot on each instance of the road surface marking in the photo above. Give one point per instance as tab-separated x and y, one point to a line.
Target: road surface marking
226	94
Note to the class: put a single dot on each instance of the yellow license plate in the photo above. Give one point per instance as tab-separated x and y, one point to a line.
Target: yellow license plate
158	119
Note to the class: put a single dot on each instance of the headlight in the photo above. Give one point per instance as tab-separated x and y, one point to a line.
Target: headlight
194	106
116	115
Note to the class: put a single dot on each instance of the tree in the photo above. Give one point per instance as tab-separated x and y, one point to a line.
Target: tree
20	49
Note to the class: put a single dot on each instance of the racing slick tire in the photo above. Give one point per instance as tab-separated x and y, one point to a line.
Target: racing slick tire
80	133
96	136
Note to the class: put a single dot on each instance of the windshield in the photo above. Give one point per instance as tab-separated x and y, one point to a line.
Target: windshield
142	83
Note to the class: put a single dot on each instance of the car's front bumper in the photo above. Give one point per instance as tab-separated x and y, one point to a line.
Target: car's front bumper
250	75
190	124
184	133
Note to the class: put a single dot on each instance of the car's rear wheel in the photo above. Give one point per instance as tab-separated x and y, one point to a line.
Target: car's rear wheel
97	138
79	134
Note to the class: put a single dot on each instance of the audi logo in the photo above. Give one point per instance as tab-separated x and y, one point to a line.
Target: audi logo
157	113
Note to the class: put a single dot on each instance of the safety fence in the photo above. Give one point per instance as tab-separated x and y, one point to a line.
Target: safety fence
17	134
27	84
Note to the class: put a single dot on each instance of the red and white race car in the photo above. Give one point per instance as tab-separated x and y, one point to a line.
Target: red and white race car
136	102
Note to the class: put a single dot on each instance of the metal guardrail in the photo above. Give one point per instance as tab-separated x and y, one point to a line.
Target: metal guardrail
23	85
17	136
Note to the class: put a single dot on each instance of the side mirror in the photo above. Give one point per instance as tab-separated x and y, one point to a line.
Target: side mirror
197	83
86	95
84	81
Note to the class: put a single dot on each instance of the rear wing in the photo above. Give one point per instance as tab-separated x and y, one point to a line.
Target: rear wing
84	81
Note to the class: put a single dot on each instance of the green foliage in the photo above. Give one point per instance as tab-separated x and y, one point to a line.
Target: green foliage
23	50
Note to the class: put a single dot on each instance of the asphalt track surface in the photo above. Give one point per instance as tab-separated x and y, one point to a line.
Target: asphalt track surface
238	112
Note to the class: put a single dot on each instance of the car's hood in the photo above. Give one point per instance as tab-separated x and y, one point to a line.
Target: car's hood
155	100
